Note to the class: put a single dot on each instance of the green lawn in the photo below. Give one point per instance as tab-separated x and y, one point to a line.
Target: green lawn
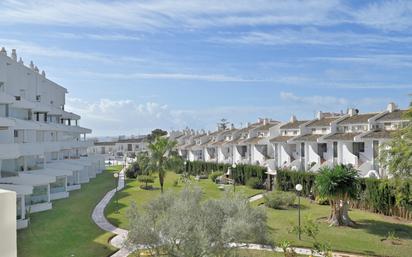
68	230
133	192
366	238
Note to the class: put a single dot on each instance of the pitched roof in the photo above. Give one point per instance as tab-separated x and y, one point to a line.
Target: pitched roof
267	126
280	139
342	136
132	140
252	141
378	134
324	122
104	143
308	137
293	125
357	119
391	116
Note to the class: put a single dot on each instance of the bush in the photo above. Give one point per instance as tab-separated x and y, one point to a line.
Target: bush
279	199
321	200
255	183
147	180
286	180
133	170
215	175
176	182
242	173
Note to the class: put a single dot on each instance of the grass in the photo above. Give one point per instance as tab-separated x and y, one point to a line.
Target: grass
366	238
133	192
244	253
68	230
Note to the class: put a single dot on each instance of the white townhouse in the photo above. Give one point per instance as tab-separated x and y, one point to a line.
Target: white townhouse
312	153
331	138
120	148
285	151
43	149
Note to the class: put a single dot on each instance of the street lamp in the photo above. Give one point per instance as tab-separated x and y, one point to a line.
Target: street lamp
233	176
116	176
298	188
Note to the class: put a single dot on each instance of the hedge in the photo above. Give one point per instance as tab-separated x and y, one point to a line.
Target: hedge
242	172
287	180
385	196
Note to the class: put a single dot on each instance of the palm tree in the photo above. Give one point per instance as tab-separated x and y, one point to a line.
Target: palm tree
160	156
339	185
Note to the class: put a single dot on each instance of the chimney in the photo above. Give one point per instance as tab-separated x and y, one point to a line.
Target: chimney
31	65
232	126
352	112
43	73
3	51
391	107
36	69
260	120
248	124
293	119
265	121
21	61
319	115
14	54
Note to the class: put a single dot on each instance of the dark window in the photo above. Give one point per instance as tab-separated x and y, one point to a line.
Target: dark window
335	149
302	149
16	133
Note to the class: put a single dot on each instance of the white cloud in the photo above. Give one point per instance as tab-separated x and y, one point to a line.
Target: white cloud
314	101
168	13
308	36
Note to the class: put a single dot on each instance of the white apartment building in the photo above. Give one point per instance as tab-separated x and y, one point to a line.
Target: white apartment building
118	150
331	138
43	149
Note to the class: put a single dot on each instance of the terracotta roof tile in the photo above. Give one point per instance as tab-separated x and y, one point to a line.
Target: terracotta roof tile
324	122
280	139
293	125
358	119
395	115
342	136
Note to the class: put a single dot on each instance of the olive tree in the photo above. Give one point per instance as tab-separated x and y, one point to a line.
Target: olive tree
182	224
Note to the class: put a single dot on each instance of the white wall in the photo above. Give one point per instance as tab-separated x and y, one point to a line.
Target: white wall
8	242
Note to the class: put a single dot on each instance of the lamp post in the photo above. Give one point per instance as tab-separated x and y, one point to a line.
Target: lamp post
116	175
233	177
298	188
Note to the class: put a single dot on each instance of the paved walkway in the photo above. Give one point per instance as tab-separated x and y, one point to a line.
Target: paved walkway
121	234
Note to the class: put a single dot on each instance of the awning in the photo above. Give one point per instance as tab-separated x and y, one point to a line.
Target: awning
29	179
19	189
6	98
52	172
25	124
65	166
23	104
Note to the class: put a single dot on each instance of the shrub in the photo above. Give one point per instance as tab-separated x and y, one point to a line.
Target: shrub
279	199
176	182
147	180
215	175
255	183
322	200
133	170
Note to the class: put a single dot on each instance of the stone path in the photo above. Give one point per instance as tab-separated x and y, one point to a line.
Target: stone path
121	234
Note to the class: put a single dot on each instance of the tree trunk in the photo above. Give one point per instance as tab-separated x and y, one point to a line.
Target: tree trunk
161	180
340	215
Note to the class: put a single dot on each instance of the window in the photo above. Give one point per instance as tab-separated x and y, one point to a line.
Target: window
313	130
324	130
335	149
295	132
16	133
38	98
302	149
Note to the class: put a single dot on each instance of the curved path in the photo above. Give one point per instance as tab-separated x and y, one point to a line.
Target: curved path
121	234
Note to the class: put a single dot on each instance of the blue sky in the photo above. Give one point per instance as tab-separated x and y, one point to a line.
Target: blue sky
131	66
